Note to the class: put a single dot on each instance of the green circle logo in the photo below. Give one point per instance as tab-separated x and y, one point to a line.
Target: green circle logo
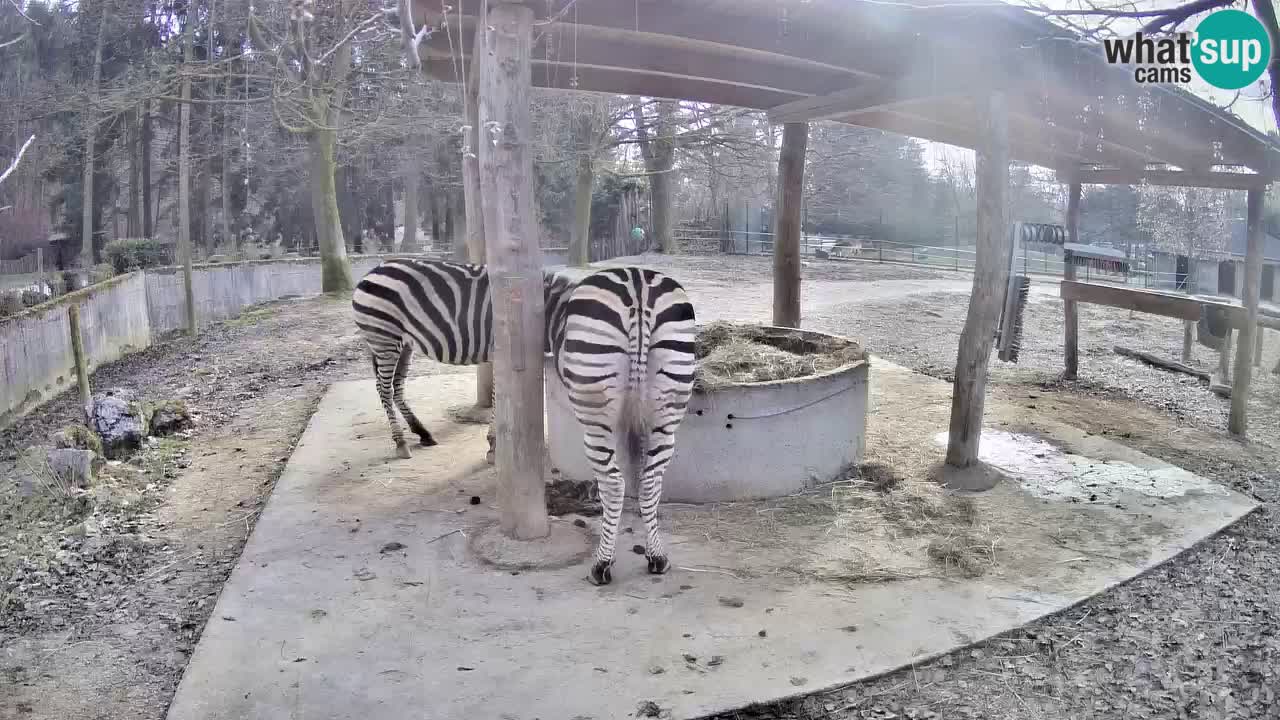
1232	49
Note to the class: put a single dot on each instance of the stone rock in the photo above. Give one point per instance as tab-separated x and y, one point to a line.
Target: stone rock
77	437
166	417
118	423
72	467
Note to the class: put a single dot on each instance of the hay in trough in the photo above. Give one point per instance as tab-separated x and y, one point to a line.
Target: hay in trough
730	354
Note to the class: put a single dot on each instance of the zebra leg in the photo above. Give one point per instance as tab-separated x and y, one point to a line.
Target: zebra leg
659	448
397	386
384	369
603	456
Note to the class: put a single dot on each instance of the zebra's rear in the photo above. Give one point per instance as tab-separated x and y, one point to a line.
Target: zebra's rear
624	349
443	309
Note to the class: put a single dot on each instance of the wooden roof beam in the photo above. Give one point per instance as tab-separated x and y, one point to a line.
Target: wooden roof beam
1169	178
905	123
926	80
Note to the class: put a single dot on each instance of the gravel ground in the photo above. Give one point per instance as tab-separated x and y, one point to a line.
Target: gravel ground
1196	638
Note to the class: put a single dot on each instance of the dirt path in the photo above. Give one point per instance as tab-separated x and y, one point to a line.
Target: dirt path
106	619
109	615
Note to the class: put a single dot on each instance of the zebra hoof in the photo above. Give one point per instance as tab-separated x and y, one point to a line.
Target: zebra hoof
658	564
490	458
428	441
402	451
601	574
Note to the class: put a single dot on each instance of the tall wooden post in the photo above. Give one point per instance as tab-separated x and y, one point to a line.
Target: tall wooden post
990	276
515	267
81	360
786	227
1070	313
1238	423
472	199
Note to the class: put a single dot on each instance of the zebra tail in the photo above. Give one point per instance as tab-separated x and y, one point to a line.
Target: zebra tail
635	422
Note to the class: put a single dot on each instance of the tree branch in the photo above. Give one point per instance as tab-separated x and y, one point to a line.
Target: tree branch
14	165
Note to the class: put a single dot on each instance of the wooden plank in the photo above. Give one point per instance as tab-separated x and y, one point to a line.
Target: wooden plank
1174	178
1147	301
786	248
515	269
1157	361
991	271
1238	422
1070	313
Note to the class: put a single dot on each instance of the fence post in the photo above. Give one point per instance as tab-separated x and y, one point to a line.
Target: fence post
82	363
40	262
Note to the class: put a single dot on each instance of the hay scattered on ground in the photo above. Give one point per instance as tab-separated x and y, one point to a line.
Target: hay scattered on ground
730	354
872	526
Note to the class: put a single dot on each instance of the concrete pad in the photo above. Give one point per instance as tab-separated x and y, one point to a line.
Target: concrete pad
359	594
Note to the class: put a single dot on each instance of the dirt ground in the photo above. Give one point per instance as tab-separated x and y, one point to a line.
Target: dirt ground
109	606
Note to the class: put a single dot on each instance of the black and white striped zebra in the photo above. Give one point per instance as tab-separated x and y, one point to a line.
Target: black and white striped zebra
621	341
623	346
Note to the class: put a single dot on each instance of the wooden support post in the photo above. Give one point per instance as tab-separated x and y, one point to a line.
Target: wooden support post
1224	359
786	232
472	201
82	362
1238	423
990	276
515	267
1070	313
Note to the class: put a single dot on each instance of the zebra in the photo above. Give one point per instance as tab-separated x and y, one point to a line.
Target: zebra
444	309
621	341
622	344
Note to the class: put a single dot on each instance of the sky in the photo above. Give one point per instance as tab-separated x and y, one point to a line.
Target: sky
1252	106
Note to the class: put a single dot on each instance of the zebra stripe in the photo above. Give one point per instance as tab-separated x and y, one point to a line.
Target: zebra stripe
623	347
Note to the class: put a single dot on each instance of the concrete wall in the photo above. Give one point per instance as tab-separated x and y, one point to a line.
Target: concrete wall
223	290
121	316
36	362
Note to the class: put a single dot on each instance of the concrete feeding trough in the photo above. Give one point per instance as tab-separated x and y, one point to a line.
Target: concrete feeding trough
747	438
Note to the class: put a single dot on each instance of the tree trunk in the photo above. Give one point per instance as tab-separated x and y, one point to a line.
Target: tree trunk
433	203
580	237
475	245
1070	312
515	270
225	182
990	277
145	185
451	237
90	140
335	268
658	149
184	175
786	239
412	173
134	225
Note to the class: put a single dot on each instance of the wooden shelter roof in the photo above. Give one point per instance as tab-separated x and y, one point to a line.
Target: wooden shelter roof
916	67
